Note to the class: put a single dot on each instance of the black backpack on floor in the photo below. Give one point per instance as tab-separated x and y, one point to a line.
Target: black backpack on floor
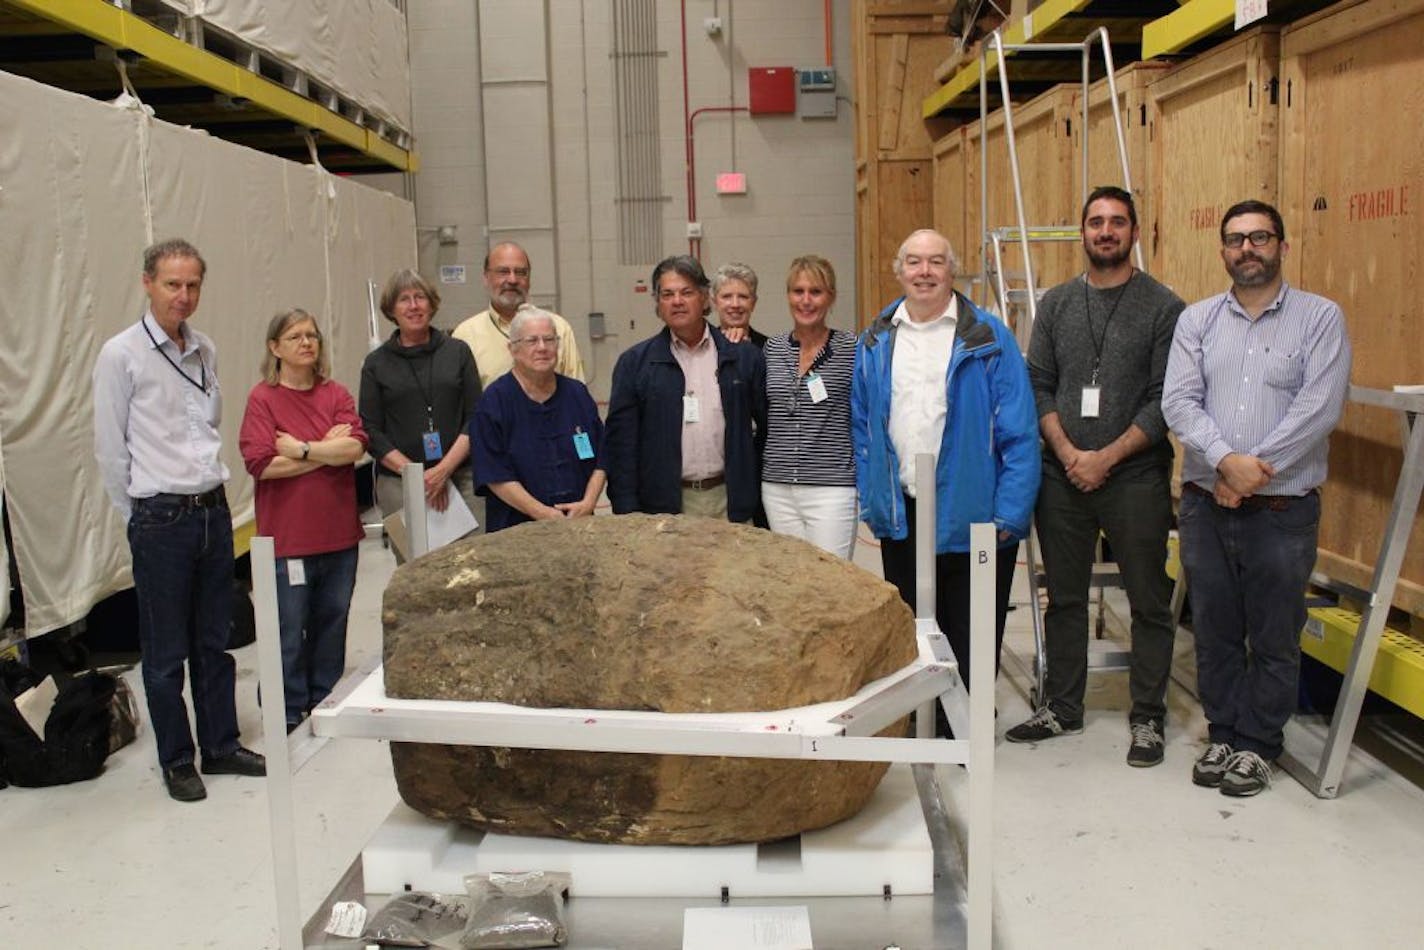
76	739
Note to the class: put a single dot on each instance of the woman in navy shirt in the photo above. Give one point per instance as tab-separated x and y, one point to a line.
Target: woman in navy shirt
536	435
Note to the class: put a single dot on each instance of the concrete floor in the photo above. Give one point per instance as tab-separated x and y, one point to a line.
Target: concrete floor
1088	852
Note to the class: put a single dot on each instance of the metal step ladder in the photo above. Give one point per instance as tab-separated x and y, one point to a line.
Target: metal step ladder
1016	294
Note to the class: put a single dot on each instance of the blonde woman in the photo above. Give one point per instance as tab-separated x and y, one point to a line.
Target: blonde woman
300	439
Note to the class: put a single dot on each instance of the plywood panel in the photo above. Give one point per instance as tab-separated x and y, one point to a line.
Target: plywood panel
1352	187
1212	125
903	194
949	192
1104	161
1043	133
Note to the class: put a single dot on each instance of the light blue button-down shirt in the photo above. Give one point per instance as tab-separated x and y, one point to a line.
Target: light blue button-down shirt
155	431
1273	387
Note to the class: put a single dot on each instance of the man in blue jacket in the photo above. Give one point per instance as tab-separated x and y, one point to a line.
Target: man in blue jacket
935	374
687	411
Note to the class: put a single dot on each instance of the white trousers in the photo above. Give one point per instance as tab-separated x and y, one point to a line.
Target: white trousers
825	516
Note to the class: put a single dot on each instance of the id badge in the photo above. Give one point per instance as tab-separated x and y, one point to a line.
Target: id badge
691	409
816	386
431	443
296	572
583	445
1091	395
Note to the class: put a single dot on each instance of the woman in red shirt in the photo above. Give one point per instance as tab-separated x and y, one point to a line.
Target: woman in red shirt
300	438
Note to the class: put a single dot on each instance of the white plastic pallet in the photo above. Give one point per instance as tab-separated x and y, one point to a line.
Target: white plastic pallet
885	845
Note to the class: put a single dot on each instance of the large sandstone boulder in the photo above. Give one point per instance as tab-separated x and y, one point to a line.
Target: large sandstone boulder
643	612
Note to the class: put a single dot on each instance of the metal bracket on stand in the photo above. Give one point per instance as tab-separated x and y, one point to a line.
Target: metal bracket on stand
1323	780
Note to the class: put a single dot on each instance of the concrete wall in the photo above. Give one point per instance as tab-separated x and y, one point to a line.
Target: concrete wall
549	72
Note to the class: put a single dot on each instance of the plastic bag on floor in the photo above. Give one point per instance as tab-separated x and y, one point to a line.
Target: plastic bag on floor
510	911
419	919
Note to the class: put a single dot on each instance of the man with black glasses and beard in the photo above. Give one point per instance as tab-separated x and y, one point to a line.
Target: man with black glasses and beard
1096	360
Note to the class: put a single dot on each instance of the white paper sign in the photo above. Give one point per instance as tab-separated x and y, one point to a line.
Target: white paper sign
452	524
1249	11
747	928
452	273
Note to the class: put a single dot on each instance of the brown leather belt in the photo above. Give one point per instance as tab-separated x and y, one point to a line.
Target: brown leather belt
1251	502
704	484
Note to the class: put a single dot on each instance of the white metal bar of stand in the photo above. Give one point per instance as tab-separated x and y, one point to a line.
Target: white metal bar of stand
417	532
983	551
274	730
925	569
1324	781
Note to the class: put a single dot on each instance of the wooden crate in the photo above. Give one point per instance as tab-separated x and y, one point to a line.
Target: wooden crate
1212	124
949	193
1104	163
895	46
1043	133
1352	194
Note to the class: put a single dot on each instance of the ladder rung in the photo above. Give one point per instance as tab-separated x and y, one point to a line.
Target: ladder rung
1045	232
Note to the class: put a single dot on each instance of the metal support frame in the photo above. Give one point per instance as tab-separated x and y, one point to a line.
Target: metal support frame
841	731
1023	234
1323	780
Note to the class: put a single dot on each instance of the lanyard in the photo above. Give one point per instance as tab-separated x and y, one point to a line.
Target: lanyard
495	320
1100	342
203	370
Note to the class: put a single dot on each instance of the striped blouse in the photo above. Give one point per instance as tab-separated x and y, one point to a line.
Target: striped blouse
808	443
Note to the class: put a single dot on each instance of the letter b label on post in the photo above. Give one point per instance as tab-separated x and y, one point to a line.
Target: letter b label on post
983	557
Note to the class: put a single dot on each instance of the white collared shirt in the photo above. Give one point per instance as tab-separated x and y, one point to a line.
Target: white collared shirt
155	431
918	400
703	442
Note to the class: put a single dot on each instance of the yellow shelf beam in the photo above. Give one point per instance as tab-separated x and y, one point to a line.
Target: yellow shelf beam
1023	31
1185	25
124	31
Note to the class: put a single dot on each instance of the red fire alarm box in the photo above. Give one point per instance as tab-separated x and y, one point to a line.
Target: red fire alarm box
771	90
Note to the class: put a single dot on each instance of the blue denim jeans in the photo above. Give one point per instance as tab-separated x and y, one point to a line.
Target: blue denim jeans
183	577
312	619
1247	569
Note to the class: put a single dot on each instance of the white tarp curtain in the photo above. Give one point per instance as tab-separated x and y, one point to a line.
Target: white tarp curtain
356	47
75	221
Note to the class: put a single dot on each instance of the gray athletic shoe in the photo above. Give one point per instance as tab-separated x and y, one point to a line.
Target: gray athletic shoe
1211	765
1147	744
1246	774
1044	724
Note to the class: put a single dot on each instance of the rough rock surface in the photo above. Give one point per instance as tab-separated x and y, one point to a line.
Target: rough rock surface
637	612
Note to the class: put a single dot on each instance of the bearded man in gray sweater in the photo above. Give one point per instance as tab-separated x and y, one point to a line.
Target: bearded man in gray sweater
1096	360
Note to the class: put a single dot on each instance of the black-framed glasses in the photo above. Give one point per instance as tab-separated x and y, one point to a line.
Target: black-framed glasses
1234	239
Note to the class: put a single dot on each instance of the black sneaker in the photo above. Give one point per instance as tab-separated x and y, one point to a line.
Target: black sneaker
1044	724
1211	765
183	783
1246	774
1147	744
238	762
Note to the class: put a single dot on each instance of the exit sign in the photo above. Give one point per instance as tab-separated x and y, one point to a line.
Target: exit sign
732	183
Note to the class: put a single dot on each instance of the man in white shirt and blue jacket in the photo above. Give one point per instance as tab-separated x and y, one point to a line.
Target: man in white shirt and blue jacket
935	374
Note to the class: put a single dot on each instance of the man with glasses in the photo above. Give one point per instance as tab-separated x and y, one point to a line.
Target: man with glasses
157	407
1256	381
687	411
1097	358
936	375
506	277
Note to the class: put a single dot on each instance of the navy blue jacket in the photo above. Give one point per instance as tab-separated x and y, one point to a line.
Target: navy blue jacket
643	438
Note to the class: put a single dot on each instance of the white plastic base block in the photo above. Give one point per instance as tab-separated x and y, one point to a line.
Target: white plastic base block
885	845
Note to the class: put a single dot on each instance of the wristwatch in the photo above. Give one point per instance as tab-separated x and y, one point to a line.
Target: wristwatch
306	450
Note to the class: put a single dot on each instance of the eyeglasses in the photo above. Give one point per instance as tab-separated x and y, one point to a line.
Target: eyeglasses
302	338
537	340
1257	238
413	297
506	272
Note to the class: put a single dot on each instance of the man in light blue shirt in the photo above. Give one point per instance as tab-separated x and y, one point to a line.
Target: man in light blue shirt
157	406
1256	381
